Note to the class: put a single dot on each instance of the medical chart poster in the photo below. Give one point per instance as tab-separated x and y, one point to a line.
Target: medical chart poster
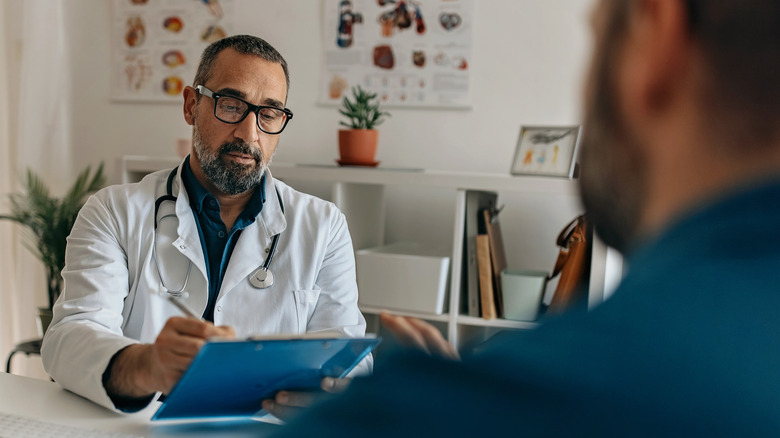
412	53
156	45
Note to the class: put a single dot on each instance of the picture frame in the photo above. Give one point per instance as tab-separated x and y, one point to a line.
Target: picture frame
546	151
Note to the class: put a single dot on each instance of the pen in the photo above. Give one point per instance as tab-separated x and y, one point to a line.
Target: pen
183	308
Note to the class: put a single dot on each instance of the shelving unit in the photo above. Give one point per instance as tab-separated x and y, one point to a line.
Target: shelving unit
361	194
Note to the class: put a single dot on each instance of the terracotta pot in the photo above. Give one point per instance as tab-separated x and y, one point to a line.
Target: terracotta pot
358	146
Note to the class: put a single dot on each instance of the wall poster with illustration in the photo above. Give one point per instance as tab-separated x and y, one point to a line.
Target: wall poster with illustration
412	53
156	45
546	150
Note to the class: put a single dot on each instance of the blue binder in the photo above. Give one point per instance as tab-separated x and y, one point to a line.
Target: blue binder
231	378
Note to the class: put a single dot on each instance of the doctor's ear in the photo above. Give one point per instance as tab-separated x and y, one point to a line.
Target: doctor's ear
190	104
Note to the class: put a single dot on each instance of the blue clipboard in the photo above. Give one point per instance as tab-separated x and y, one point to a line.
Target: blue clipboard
231	378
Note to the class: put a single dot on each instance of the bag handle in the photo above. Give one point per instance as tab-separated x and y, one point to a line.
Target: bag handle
565	238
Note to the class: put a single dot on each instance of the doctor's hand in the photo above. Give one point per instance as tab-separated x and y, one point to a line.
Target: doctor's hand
415	333
143	369
287	404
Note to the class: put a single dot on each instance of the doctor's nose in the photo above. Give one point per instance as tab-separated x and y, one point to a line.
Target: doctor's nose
247	130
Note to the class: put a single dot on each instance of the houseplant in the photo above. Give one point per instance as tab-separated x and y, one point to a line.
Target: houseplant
357	145
47	222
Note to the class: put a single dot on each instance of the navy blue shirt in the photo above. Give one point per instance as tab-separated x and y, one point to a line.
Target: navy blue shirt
687	346
216	240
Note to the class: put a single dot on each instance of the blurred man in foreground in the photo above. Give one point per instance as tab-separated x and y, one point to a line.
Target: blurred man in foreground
681	172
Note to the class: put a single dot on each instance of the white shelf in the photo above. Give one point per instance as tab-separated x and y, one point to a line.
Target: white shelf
136	166
444	317
425	178
501	323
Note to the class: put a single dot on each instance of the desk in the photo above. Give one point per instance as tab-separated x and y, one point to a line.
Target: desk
47	401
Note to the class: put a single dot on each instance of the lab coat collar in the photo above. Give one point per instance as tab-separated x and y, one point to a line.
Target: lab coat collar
244	260
271	218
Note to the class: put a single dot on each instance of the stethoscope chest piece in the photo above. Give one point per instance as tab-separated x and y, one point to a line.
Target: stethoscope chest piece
262	278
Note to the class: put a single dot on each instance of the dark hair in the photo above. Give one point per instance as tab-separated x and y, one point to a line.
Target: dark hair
245	44
740	44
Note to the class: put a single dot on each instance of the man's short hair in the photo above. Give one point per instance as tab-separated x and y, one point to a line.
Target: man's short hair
244	44
740	44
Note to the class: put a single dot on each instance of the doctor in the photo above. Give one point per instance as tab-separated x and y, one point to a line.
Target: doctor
245	251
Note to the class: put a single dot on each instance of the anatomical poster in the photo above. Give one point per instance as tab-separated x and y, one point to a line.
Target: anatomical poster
412	53
156	45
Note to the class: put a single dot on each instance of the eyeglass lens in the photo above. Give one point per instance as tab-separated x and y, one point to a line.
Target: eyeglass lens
232	110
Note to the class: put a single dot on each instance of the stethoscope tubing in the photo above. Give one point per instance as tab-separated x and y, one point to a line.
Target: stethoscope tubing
181	291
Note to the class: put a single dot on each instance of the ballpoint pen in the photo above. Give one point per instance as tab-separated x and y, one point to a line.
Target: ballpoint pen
176	302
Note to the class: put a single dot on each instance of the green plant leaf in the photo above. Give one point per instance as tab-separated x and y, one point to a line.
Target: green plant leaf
47	221
362	110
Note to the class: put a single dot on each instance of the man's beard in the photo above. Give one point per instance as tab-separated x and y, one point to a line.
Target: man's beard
229	177
613	171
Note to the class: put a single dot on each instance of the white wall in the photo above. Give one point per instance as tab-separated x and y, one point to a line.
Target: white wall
528	59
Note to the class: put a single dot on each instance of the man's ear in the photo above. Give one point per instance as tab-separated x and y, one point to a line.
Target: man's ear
190	104
662	39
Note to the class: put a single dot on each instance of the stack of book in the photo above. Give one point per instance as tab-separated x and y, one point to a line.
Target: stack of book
485	257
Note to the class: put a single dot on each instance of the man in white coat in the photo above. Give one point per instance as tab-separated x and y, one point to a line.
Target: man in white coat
208	232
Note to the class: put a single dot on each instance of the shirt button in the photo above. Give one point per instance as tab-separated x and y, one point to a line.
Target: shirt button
219	308
182	247
221	234
213	203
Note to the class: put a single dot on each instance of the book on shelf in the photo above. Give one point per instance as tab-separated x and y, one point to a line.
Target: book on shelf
497	254
475	201
487	298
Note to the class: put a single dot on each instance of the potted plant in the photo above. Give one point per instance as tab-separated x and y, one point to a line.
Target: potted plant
357	145
47	221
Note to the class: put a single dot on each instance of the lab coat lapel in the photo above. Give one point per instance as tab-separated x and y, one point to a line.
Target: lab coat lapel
188	242
250	251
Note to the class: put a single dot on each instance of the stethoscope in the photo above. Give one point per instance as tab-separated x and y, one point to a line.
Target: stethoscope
261	278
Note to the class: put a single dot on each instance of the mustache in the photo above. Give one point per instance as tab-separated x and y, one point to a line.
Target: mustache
242	148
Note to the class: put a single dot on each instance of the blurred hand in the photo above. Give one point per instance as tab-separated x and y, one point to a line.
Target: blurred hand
415	333
143	369
287	404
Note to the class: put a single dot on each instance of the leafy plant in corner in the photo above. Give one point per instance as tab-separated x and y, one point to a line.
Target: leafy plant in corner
48	220
362	112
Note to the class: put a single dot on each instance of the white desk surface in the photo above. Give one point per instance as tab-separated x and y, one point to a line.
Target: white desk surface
47	401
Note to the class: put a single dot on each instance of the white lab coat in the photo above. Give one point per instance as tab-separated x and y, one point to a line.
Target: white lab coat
113	296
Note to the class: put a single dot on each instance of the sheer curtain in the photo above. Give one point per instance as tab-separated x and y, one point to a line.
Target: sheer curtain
40	141
43	124
10	328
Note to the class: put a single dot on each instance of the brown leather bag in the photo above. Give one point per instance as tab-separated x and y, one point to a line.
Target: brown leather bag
573	266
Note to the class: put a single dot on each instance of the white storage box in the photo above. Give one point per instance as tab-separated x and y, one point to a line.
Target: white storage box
403	276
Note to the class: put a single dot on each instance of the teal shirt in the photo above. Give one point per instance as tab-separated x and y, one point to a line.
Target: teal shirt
216	240
688	345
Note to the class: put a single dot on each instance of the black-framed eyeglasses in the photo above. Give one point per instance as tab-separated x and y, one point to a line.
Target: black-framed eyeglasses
232	110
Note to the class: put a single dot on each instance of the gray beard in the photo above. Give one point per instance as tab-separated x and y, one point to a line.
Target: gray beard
613	173
230	178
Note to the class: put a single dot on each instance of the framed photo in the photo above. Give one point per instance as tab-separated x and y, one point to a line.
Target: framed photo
546	150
